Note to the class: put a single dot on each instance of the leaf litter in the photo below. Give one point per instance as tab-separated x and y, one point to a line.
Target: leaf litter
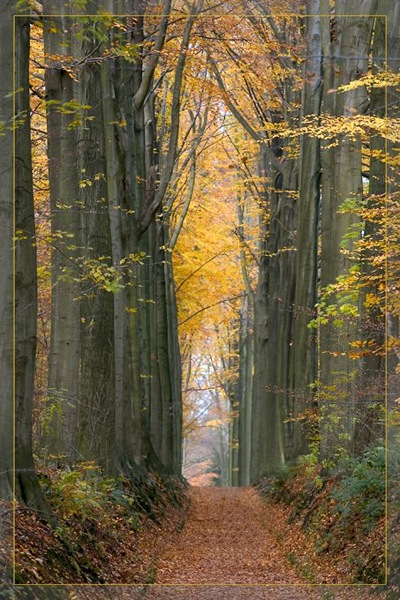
233	545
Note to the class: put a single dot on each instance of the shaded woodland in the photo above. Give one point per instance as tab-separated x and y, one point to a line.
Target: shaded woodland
199	251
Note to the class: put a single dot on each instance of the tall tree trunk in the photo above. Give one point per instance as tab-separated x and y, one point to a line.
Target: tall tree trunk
127	421
267	411
283	303
246	361
369	403
392	325
64	358
260	354
304	341
162	352
246	357
175	367
96	413
26	481
346	47
6	253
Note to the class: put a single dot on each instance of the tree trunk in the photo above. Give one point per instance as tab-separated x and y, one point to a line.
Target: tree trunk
127	421
6	254
96	413
246	361
64	358
346	46
304	340
26	481
369	402
267	453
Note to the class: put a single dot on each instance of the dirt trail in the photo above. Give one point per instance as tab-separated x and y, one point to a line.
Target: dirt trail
231	548
229	540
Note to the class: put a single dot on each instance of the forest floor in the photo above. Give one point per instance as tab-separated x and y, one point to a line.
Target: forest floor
228	543
234	545
230	537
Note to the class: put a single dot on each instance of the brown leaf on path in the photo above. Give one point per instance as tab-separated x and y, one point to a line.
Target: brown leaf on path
231	548
228	539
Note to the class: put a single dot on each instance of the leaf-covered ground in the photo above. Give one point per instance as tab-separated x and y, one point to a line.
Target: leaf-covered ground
235	545
230	537
112	542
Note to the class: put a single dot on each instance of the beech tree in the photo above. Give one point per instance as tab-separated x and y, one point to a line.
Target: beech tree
96	409
64	357
341	180
112	272
6	253
22	332
305	359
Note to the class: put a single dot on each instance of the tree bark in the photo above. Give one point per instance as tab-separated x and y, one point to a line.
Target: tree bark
64	358
246	361
346	46
369	402
304	341
27	486
96	412
6	254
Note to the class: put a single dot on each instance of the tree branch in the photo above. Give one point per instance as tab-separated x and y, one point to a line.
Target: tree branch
198	269
151	206
153	59
240	118
203	308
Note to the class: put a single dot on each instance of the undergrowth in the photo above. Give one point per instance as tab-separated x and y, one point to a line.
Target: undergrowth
344	511
393	473
100	525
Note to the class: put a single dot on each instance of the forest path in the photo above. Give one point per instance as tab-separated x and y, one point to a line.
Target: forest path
229	538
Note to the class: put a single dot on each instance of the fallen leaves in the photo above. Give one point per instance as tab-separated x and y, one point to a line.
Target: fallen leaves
231	538
105	550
